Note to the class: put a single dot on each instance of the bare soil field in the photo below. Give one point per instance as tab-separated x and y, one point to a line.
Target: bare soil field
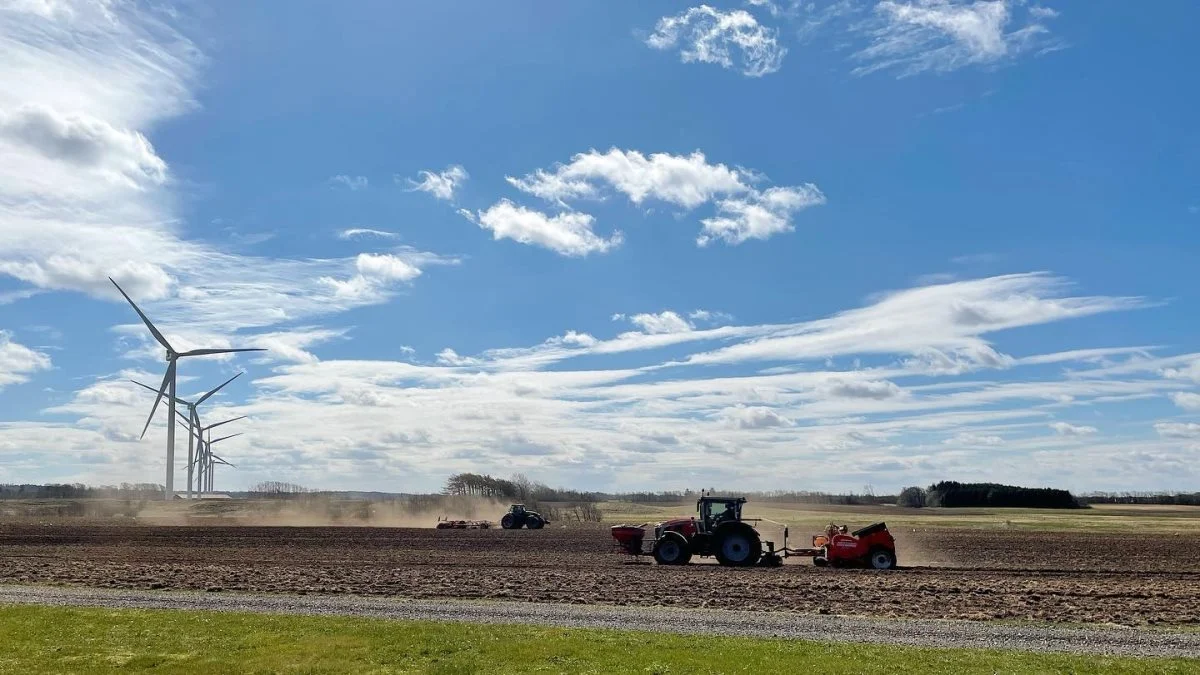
949	573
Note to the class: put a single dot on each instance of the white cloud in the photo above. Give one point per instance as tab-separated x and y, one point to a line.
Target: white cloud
732	39
939	324
1066	429
688	181
356	423
17	361
943	35
1189	370
569	233
1187	400
442	184
754	417
761	215
362	232
86	143
968	439
1178	429
84	196
663	322
877	390
352	183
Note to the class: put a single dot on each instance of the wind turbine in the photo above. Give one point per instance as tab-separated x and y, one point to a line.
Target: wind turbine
168	386
207	460
193	420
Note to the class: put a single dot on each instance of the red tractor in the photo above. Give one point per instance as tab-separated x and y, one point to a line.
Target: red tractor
720	531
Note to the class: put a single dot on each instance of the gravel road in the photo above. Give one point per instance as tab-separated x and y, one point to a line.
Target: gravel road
917	632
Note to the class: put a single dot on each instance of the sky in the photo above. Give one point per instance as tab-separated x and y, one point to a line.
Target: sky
763	245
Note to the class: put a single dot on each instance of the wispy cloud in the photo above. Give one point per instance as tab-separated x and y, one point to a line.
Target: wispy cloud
912	37
732	39
363	232
440	184
352	183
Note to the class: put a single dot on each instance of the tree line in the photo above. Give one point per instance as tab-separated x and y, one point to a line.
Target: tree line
81	491
952	494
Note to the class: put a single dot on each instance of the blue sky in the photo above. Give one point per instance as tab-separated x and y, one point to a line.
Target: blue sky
614	246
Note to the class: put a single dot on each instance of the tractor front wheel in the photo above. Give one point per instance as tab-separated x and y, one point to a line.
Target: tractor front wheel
534	523
881	559
508	521
672	549
738	547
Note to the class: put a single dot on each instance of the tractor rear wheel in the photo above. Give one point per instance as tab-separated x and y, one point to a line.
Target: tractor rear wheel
508	521
881	559
738	547
672	549
534	522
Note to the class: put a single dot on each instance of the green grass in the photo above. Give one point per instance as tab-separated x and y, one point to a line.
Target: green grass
88	640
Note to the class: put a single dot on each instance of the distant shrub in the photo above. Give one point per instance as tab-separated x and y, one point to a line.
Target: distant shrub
913	497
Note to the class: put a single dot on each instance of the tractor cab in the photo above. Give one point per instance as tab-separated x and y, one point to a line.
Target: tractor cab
517	509
717	510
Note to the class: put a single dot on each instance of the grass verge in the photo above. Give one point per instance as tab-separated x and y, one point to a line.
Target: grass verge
90	640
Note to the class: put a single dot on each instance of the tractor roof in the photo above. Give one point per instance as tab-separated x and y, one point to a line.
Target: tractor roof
710	498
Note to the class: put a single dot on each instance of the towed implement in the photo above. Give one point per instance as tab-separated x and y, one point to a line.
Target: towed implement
720	531
463	524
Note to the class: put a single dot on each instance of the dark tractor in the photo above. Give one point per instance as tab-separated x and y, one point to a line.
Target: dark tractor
518	517
718	531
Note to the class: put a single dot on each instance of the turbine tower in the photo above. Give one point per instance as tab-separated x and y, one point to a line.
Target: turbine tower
193	420
168	386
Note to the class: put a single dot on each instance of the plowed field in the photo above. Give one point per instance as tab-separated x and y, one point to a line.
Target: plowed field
964	574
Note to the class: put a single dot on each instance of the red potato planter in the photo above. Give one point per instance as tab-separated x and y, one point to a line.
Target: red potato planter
720	531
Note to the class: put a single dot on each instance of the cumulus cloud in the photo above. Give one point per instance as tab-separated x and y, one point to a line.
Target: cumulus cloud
754	417
877	390
1067	429
1178	429
743	211
569	233
17	361
84	142
916	36
732	39
662	322
760	215
1187	400
441	184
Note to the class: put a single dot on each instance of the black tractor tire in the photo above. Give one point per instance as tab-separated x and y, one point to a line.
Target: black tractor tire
534	522
881	559
737	546
509	522
672	549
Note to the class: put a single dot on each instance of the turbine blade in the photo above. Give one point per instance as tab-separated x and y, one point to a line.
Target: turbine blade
177	399
161	393
145	319
205	397
204	352
225	422
218	440
222	460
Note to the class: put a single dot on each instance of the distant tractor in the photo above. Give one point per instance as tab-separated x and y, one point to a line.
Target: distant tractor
719	531
518	516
